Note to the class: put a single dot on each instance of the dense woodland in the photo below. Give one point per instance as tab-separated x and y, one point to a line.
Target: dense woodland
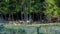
36	10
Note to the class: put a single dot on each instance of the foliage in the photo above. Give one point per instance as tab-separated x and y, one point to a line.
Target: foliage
49	7
10	6
13	6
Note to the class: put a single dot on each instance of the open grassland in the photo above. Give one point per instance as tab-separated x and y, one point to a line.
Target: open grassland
51	28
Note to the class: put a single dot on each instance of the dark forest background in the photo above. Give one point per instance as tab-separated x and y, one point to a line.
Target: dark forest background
36	10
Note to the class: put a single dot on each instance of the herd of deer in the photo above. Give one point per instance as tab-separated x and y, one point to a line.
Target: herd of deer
20	21
23	21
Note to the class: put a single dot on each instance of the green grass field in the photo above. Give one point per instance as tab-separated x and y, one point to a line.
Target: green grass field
51	28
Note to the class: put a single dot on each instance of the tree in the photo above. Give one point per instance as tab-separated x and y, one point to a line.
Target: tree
11	6
51	9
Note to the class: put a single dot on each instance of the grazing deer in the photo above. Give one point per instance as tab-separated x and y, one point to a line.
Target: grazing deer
21	21
28	21
24	21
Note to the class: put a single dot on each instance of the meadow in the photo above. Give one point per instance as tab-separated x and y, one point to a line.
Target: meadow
30	28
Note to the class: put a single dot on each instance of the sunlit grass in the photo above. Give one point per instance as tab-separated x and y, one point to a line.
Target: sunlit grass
43	28
34	25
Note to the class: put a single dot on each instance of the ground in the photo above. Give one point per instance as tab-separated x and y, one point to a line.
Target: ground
51	28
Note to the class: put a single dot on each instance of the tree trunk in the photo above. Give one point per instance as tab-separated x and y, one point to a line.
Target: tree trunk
49	18
9	18
12	17
25	14
21	16
5	18
17	16
29	5
41	18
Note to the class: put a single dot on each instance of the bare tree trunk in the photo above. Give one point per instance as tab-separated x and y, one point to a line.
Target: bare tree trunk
49	18
9	18
5	18
2	20
21	16
12	18
29	5
1	15
25	14
17	16
41	21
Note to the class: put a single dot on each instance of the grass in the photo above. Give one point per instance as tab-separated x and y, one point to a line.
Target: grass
36	25
50	28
